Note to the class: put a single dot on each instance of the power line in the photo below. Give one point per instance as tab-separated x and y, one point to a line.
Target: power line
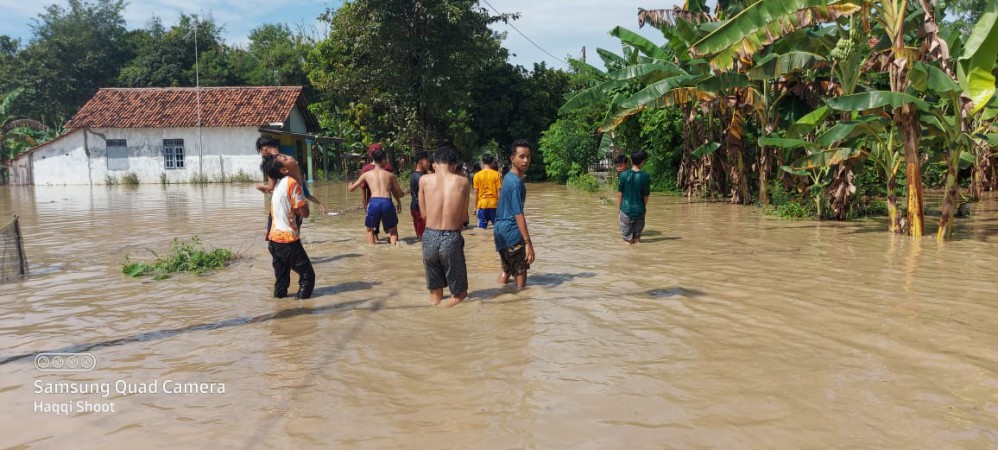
510	24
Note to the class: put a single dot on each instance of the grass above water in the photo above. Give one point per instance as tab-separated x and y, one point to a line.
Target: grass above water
183	257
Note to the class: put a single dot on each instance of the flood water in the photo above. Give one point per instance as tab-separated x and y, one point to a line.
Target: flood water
725	328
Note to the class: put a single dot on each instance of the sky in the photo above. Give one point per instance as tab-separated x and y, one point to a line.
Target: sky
560	28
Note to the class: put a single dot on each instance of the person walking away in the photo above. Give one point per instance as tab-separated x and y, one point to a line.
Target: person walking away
443	201
383	185
633	187
487	184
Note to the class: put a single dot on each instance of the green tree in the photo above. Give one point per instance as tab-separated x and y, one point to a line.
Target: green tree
276	57
404	68
74	50
166	58
963	14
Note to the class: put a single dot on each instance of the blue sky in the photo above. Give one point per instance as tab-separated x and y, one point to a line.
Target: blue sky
561	27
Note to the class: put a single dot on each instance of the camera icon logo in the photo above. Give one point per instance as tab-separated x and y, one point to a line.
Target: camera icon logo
65	362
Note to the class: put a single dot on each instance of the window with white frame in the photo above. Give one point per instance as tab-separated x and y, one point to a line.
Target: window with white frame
117	154
173	153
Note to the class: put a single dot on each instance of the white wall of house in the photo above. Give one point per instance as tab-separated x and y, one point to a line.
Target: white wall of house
225	152
297	122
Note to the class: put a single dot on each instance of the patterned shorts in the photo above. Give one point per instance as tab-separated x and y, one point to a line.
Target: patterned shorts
514	260
443	258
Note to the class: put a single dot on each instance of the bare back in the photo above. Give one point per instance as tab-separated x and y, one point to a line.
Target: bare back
382	183
443	200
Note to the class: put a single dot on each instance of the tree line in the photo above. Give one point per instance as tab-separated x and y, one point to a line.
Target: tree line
414	75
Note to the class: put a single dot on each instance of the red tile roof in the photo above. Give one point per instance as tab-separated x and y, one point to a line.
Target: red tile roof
177	107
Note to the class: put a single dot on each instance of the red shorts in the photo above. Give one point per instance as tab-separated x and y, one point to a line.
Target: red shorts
418	223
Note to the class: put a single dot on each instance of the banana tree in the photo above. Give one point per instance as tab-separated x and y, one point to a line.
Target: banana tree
15	134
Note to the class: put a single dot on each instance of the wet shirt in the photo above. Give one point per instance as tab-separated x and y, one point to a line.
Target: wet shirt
487	184
635	185
512	195
288	195
414	190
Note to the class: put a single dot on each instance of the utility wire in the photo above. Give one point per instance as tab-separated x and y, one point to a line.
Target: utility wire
510	24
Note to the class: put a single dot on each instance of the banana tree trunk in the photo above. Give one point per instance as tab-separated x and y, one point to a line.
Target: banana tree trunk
979	180
764	175
911	134
893	215
735	145
950	200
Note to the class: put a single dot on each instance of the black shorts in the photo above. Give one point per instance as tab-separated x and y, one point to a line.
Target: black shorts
514	260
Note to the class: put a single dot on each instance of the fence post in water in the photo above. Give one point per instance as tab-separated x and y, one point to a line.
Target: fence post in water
22	260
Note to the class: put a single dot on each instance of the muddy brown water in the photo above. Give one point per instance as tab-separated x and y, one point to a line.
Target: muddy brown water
724	329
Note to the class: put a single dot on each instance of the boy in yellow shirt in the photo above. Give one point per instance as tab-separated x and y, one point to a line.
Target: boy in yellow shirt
486	184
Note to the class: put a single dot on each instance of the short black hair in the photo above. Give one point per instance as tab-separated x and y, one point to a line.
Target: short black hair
272	167
638	157
488	159
620	159
267	141
445	155
519	143
378	155
421	155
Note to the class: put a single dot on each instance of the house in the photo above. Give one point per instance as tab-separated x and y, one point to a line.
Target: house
153	134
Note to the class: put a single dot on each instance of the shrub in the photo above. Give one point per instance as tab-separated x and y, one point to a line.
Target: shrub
584	182
130	179
183	257
241	177
110	180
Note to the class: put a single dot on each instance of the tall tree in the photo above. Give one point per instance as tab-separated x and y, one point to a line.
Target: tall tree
75	50
404	68
166	58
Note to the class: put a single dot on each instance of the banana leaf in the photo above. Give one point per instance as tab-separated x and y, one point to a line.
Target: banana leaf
596	95
975	67
762	23
656	90
826	158
639	42
805	124
724	81
610	59
782	142
927	77
706	149
666	69
773	66
849	129
791	170
864	101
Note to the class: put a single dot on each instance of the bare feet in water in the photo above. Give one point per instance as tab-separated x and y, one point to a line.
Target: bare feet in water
456	299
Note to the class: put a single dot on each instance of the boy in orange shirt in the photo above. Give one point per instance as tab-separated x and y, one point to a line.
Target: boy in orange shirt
287	203
487	184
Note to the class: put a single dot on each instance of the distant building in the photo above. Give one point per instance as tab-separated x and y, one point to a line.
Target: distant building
152	133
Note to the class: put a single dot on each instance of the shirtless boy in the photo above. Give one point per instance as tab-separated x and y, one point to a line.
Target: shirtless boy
443	201
384	186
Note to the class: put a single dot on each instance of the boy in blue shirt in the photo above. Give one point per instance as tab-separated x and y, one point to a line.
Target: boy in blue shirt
510	229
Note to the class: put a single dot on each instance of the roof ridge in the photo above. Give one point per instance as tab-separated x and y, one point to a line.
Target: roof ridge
184	88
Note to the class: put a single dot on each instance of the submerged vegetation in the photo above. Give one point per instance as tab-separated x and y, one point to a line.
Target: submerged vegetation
183	257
